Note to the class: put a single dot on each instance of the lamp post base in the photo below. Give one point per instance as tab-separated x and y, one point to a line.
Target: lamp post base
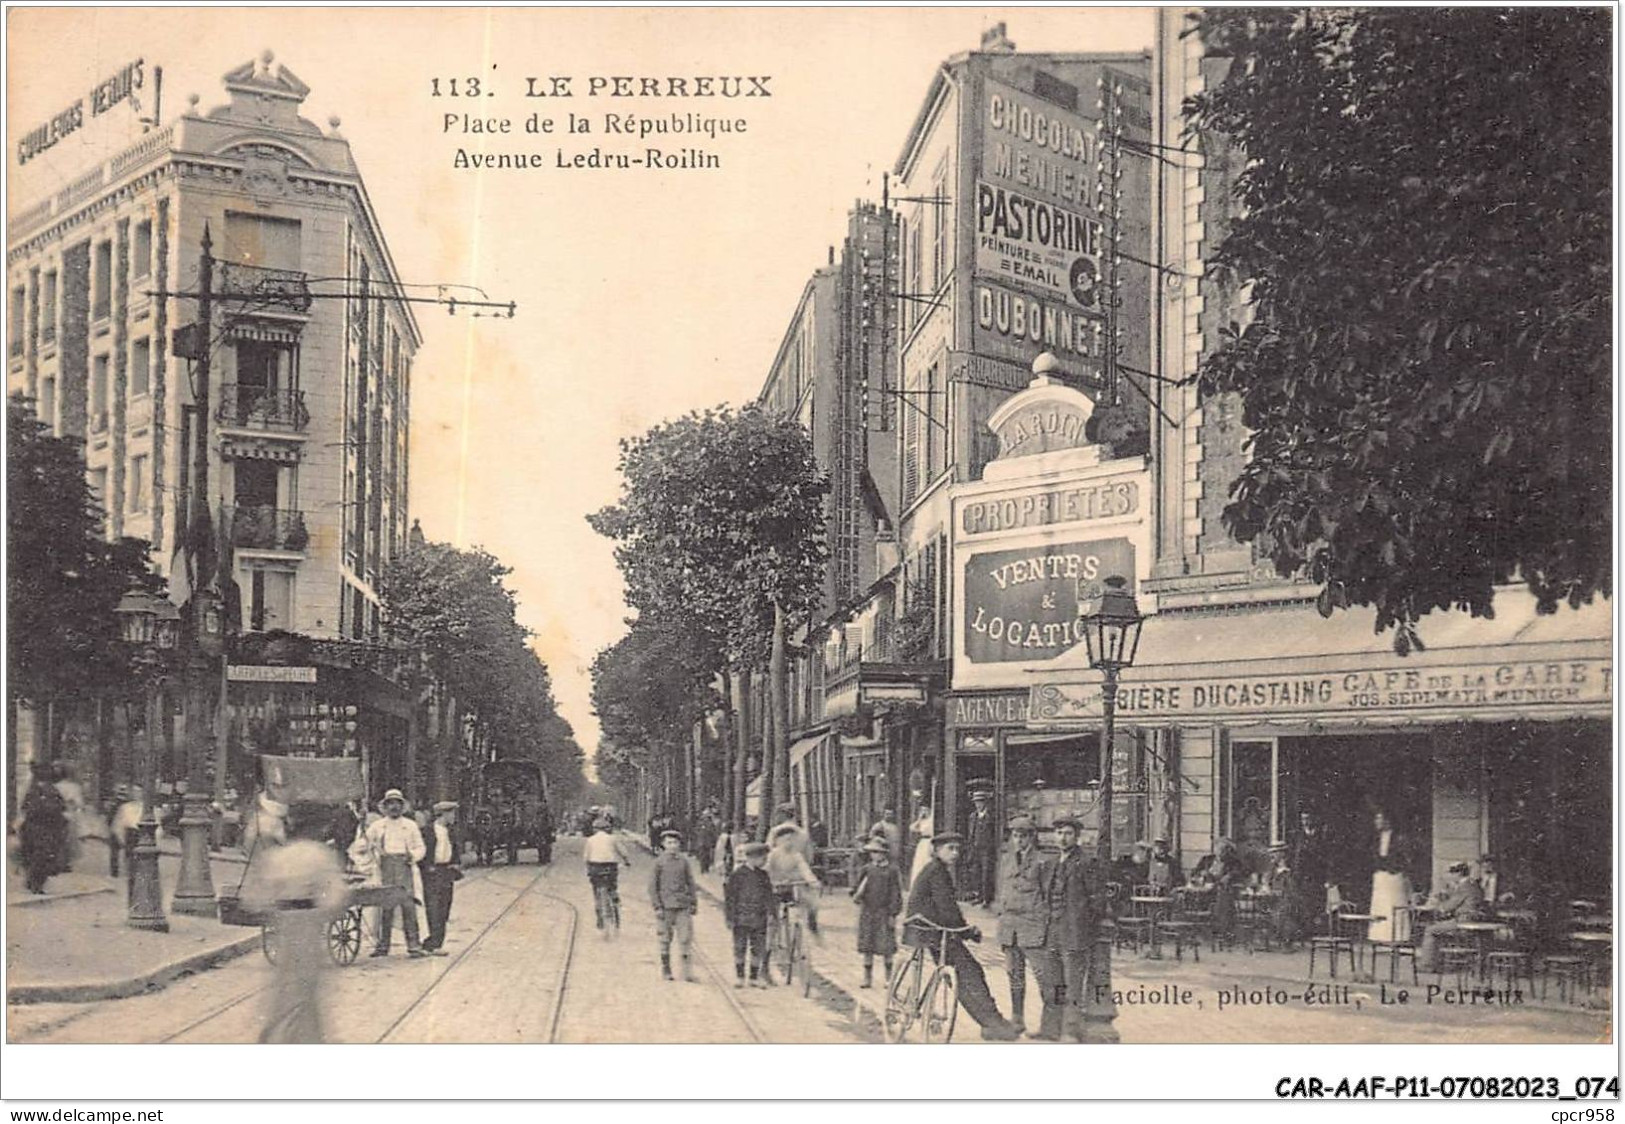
146	905
194	888
1099	1006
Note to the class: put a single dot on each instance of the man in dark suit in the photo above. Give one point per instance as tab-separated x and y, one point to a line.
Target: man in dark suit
933	897
981	845
1023	908
1076	902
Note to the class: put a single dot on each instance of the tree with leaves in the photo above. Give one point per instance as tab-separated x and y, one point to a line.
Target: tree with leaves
720	531
453	606
1423	222
64	581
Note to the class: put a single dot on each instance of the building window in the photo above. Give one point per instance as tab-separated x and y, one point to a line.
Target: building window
19	318
912	307
141	249
358	614
101	282
935	424
140	366
98	394
47	403
135	484
1252	796
939	229
261	241
48	308
270	600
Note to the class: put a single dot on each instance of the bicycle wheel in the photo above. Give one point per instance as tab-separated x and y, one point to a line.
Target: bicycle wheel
941	1006
804	966
344	936
792	952
902	999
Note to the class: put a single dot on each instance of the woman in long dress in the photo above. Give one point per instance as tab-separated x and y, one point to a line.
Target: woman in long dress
1390	884
924	828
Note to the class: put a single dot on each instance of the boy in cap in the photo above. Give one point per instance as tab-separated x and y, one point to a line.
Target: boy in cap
879	894
398	844
933	898
671	892
748	905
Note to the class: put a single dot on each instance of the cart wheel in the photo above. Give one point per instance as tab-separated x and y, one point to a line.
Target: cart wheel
268	941
344	936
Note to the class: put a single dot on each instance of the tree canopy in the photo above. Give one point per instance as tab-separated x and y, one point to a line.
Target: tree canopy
64	578
1424	226
721	517
452	605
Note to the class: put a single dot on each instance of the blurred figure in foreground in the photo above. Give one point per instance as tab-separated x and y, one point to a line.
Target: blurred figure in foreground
304	889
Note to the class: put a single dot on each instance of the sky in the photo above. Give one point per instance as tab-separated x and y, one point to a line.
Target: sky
641	294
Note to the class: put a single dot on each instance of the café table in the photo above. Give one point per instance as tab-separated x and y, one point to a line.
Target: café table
1592	921
1481	932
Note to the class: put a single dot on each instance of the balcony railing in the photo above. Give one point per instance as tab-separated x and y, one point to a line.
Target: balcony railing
264	289
267	528
257	407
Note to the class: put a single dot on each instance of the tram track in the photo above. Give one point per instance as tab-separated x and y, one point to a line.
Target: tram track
487	875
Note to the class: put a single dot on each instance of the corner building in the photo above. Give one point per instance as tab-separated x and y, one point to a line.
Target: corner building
309	399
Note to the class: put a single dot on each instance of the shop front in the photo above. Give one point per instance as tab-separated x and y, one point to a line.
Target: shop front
1493	741
1033	542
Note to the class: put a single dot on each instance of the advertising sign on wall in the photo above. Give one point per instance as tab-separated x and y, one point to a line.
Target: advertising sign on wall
1022	604
1038	244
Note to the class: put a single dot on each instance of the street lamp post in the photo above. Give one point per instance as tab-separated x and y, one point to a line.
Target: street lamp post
1112	635
205	627
150	625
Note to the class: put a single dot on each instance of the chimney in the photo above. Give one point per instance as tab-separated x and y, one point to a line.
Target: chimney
995	40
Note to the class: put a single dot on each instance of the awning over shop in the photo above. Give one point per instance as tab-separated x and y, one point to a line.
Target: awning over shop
1263	664
806	746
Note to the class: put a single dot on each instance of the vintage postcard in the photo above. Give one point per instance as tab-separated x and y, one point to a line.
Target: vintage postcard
835	526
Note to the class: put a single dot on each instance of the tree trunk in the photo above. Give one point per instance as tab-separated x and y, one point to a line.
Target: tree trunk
770	761
725	752
778	675
740	678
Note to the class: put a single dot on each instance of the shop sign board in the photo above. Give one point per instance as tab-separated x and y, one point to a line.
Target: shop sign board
1420	691
262	673
1017	327
1022	604
1001	708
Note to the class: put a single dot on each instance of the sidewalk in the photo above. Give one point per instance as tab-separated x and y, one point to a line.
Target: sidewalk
72	945
1260	995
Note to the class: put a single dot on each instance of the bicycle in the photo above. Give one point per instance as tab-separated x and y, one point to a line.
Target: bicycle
606	900
915	995
788	945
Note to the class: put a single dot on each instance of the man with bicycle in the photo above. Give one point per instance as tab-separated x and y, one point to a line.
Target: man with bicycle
604	855
792	873
934	899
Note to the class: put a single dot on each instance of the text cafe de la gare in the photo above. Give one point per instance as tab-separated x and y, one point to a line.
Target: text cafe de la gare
1245	708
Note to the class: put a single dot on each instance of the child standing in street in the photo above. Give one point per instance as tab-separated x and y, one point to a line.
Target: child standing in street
672	893
879	894
748	904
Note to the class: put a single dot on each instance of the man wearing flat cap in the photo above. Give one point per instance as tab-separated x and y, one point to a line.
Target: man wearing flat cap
675	901
440	874
1076	902
398	843
933	898
1023	909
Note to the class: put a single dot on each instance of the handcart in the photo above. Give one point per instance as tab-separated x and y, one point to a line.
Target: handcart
320	782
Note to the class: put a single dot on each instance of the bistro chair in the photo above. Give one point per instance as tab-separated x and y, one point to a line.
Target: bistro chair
1568	970
1182	929
1461	959
1137	923
1334	940
1397	950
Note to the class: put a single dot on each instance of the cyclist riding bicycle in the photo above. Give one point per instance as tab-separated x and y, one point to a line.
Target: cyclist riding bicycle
793	880
934	898
605	854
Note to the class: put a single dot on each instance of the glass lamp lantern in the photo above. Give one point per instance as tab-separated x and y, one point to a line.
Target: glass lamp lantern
1112	632
137	615
167	624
